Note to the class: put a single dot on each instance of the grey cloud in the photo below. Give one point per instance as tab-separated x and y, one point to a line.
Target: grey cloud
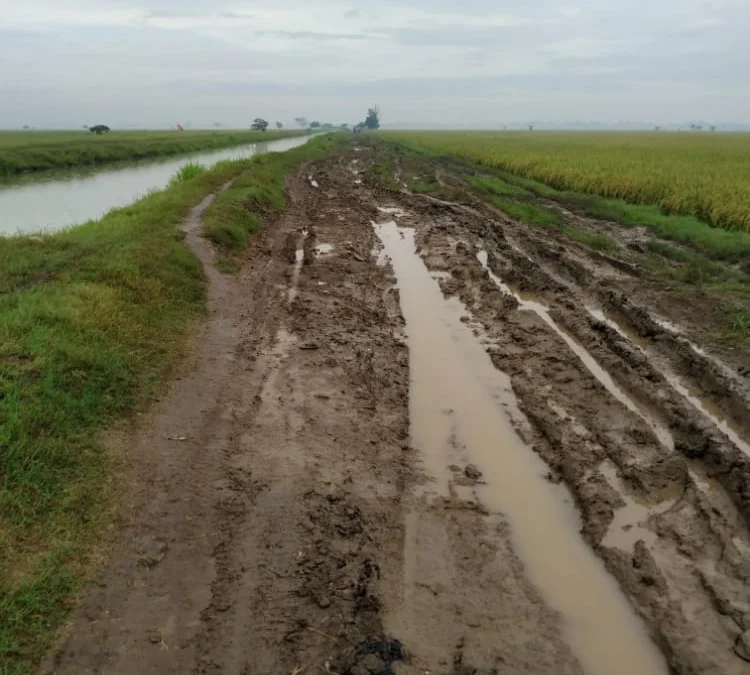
606	58
454	37
311	35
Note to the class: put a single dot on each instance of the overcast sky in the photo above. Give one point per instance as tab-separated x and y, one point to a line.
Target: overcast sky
471	62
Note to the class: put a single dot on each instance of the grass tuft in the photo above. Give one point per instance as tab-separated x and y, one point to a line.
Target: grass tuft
741	323
600	242
527	213
495	186
187	172
423	188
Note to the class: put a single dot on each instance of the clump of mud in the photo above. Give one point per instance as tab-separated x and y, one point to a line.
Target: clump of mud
375	656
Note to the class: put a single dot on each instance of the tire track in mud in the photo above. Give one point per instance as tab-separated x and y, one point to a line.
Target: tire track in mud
325	437
688	506
452	377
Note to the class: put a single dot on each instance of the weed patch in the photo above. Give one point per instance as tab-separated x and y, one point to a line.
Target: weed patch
423	188
495	186
527	213
741	323
600	242
187	172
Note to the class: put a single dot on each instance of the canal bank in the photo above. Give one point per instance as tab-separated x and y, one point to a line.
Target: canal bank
53	201
93	321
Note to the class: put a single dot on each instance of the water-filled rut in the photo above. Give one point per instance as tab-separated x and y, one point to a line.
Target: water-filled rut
458	396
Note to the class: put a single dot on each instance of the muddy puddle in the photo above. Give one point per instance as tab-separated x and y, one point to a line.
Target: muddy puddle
394	211
299	259
526	303
630	523
324	249
462	411
702	404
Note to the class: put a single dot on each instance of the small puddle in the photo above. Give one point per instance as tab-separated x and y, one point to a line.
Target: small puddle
395	211
604	317
630	521
701	404
323	249
299	258
603	377
458	394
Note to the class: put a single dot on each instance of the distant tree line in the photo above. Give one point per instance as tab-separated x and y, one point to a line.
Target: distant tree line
372	121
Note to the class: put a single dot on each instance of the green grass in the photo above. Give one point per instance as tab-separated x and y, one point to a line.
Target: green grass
495	186
187	172
423	188
22	152
92	321
600	242
527	212
668	251
741	323
239	212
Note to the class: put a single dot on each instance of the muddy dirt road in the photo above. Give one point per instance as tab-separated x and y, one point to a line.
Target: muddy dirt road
414	439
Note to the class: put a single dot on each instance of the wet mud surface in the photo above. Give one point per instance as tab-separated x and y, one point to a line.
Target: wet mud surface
417	436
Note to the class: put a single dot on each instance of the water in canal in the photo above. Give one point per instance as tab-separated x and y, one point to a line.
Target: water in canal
61	199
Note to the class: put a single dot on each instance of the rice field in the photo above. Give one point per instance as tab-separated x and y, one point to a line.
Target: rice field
706	175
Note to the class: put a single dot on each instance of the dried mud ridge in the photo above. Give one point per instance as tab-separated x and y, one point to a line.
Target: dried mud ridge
297	529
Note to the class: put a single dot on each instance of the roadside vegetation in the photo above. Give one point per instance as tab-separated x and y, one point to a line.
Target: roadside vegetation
27	151
706	176
688	255
92	322
514	193
237	213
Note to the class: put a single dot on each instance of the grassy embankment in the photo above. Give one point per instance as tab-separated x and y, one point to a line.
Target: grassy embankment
28	151
682	246
238	212
92	322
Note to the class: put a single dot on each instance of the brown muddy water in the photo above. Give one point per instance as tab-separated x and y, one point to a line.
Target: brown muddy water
630	521
299	259
462	406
